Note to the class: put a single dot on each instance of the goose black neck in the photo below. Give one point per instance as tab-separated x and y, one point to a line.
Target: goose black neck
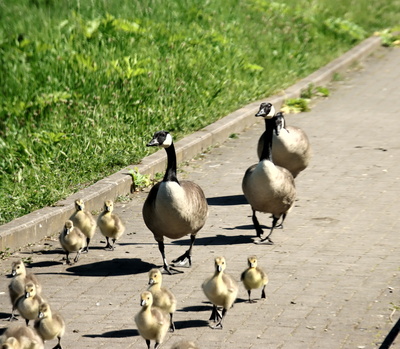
266	153
170	173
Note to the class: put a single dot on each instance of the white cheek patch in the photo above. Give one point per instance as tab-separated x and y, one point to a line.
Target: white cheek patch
271	113
167	142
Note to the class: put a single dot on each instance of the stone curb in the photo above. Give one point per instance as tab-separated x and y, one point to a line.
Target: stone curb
49	220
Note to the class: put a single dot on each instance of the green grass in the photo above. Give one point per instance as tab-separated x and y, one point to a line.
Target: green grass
84	84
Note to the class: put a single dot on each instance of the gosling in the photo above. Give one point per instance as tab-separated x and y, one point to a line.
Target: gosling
162	297
49	325
28	304
221	289
185	345
152	322
20	337
254	277
16	287
72	240
84	220
110	224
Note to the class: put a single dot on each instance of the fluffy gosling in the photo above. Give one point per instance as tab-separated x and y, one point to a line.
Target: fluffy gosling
221	289
20	337
28	304
16	287
49	325
84	221
110	224
162	297
152	322
254	277
72	240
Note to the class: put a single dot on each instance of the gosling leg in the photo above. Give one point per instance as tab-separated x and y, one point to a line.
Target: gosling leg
263	292
171	323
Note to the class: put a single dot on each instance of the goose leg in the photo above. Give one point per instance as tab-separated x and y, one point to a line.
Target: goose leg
257	226
167	268
280	225
267	239
186	259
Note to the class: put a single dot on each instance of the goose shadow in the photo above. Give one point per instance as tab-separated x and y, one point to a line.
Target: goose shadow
228	200
217	240
115	334
113	267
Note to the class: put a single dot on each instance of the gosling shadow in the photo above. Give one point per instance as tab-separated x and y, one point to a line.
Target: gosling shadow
180	325
228	200
113	267
44	264
195	308
114	334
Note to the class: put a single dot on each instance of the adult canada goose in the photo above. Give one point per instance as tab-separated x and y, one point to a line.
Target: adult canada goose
162	297
174	208
221	289
20	337
84	220
291	147
254	277
152	322
268	188
49	325
110	224
16	287
28	304
72	240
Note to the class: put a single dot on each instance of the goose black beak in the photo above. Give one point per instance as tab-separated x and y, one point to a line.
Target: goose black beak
152	143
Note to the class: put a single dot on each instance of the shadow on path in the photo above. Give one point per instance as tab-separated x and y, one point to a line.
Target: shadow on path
113	267
115	334
228	200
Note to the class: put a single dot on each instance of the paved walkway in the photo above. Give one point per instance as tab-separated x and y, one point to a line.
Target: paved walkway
333	269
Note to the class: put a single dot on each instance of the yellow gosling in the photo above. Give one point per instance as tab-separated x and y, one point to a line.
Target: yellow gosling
162	297
84	220
50	325
221	289
152	322
28	304
254	277
16	287
20	337
72	240
110	224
